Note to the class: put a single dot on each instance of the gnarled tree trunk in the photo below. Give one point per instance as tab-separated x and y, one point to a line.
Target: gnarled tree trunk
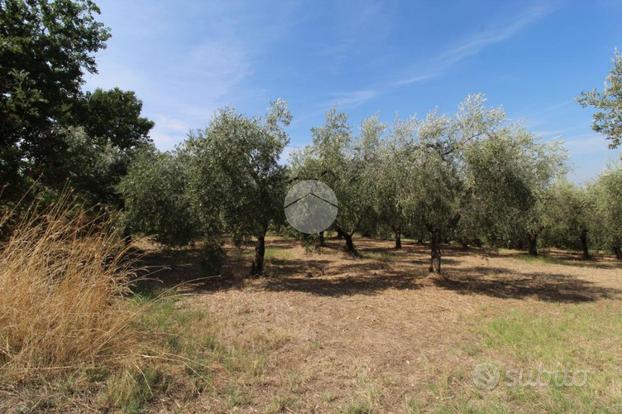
617	250
321	238
398	238
349	243
584	247
260	250
532	239
435	251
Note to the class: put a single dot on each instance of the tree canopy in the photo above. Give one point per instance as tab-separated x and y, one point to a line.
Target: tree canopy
608	103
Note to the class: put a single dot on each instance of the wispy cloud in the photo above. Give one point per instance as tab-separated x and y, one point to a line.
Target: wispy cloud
199	57
586	144
359	24
589	156
353	98
167	131
440	63
476	43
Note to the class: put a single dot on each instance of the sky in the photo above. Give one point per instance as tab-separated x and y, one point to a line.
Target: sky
185	59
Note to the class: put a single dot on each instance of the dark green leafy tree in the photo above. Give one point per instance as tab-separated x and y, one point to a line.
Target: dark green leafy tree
45	48
114	118
608	103
93	170
114	132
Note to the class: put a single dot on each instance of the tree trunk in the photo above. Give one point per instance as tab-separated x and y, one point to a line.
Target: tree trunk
348	238
533	245
435	252
349	243
584	248
398	239
260	250
321	238
617	250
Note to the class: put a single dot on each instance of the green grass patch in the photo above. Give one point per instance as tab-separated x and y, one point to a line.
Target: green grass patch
557	359
567	333
567	359
278	253
543	259
382	256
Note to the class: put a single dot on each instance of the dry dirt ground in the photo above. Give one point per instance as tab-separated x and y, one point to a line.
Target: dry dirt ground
333	333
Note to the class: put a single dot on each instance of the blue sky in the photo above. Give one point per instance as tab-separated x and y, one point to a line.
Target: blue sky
185	59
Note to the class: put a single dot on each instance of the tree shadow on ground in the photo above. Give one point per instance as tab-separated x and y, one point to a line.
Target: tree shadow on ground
568	259
355	276
161	270
287	267
316	275
506	284
344	286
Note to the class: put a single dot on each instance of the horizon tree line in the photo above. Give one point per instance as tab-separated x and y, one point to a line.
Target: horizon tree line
472	177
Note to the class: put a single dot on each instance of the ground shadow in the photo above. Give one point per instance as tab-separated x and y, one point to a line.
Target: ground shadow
160	270
287	267
567	259
505	283
344	286
383	268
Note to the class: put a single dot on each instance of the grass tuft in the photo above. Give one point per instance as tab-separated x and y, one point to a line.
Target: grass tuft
63	277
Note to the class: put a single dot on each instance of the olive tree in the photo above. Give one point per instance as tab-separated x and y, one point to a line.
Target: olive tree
431	195
608	119
508	175
569	216
608	201
340	161
386	173
435	189
157	202
237	184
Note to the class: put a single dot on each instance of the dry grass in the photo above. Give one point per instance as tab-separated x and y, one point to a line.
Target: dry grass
378	334
62	278
75	335
71	337
328	333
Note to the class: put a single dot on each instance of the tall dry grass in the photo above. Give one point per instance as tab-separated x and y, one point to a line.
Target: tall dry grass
62	279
